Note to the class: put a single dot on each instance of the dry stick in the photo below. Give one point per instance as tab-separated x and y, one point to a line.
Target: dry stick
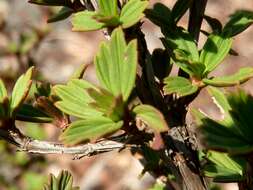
30	145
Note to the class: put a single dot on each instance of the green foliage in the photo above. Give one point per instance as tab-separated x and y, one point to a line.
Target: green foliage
129	75
179	85
132	12
241	76
151	116
20	91
224	168
89	129
214	51
74	99
63	181
159	15
239	21
108	16
116	64
233	133
29	113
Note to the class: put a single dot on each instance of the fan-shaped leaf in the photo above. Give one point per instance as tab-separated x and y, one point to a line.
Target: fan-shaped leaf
75	99
116	65
179	85
89	129
85	21
132	12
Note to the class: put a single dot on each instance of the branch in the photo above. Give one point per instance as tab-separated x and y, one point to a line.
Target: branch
30	145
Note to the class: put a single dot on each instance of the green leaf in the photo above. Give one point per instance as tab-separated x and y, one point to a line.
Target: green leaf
179	85
64	13
182	40
159	15
108	8
20	90
240	77
106	103
152	117
116	65
239	21
194	69
132	12
64	181
233	134
214	51
85	21
224	168
31	114
89	129
3	91
75	99
179	9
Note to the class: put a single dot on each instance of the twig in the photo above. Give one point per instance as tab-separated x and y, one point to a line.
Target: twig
30	145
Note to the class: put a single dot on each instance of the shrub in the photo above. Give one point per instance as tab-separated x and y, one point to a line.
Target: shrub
138	95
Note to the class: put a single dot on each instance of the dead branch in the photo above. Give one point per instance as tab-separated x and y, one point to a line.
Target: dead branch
30	145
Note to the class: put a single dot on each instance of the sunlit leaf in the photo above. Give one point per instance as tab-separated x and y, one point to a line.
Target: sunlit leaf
132	12
152	117
20	90
116	65
105	102
214	51
64	181
240	77
85	21
74	99
89	129
179	85
108	8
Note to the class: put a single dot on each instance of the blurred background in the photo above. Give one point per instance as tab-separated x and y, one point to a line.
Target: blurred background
27	39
